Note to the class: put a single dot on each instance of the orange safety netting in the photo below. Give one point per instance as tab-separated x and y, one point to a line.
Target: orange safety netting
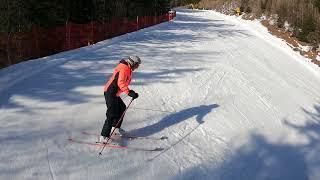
42	42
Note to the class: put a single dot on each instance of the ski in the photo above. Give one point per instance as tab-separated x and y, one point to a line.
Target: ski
130	137
113	146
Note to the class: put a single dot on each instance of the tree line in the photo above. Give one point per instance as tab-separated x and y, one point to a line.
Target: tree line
21	16
176	3
303	15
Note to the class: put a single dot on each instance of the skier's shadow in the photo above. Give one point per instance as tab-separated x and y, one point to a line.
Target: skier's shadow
175	118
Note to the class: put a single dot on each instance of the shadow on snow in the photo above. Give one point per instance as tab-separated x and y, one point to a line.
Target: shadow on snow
175	118
261	159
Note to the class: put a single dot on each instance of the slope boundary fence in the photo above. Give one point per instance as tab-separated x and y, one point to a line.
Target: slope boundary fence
40	42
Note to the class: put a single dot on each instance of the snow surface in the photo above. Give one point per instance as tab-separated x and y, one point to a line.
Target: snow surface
235	102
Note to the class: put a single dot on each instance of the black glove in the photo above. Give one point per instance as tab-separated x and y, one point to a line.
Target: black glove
133	94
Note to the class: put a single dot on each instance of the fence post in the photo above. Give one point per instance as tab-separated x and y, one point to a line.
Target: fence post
9	62
137	23
90	40
68	37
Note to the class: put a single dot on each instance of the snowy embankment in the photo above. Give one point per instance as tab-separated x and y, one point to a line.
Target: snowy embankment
235	102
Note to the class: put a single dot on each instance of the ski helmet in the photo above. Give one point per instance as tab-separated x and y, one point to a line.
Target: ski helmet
134	61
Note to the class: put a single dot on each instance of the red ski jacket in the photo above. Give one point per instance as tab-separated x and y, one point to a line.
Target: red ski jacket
120	79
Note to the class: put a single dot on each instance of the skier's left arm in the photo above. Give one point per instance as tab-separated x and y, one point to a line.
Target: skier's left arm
123	76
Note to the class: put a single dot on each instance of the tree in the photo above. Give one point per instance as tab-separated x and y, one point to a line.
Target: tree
317	3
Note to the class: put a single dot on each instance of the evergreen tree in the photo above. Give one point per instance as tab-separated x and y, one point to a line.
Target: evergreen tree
17	15
317	3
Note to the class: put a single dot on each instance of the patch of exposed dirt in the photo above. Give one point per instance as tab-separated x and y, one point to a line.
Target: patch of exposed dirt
292	42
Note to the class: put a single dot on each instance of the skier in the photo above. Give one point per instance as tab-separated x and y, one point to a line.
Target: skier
117	84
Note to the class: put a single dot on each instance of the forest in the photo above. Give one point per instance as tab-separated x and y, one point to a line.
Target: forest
31	28
21	16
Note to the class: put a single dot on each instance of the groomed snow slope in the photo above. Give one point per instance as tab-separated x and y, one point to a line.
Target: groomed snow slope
235	102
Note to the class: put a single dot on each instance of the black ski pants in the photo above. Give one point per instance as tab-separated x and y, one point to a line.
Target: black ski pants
116	107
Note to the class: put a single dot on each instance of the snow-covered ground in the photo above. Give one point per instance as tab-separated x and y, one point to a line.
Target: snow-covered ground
235	102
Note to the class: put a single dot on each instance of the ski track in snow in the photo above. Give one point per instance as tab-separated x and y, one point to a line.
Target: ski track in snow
235	102
49	164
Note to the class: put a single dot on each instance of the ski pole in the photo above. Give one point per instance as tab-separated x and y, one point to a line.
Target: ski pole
121	119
